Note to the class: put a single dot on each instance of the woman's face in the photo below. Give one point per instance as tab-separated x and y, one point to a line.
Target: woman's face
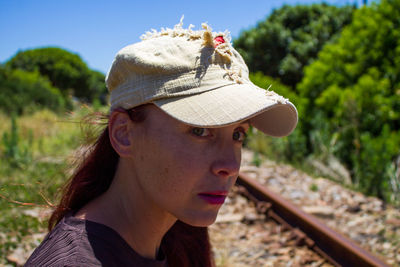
183	170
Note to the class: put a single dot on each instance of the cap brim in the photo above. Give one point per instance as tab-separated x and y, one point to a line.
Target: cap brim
232	104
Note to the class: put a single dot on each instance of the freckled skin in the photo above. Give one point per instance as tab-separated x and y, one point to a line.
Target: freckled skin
172	165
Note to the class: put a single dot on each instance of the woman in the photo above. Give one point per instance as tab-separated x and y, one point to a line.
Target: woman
181	103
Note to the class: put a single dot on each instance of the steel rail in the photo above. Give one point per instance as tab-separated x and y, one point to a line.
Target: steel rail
333	246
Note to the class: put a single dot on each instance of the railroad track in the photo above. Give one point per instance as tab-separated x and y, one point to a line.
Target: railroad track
306	229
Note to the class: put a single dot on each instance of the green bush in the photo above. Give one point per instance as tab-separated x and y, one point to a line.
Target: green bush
65	70
290	38
374	161
22	91
352	94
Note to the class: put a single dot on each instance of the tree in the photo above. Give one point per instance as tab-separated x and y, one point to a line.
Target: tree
21	91
354	87
64	69
290	38
97	87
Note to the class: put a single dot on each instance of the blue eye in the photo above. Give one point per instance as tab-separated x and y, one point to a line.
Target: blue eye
239	136
202	132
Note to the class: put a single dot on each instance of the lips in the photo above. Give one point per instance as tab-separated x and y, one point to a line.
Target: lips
214	198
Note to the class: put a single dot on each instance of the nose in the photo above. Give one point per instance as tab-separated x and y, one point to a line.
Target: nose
227	163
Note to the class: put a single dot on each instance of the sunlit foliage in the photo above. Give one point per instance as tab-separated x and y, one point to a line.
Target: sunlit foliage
352	94
290	38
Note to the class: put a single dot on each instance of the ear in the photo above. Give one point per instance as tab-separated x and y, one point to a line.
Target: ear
119	127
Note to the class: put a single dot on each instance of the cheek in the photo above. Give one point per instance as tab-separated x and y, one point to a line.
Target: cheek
176	166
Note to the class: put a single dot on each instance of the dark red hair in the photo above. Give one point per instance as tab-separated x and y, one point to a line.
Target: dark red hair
183	244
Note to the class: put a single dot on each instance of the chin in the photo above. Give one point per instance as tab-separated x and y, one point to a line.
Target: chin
202	220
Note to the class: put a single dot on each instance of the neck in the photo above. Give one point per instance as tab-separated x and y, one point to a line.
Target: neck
125	209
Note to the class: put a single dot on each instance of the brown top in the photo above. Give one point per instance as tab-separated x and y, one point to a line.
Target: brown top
76	242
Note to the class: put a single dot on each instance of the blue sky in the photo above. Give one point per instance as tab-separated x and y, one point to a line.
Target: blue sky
96	30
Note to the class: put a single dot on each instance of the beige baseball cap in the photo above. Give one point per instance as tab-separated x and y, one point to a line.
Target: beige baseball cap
198	78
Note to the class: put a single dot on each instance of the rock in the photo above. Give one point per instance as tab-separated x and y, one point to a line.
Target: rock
226	218
394	222
386	246
320	211
251	217
18	256
296	194
354	208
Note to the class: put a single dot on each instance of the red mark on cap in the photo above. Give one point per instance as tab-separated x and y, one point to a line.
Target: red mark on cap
218	40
